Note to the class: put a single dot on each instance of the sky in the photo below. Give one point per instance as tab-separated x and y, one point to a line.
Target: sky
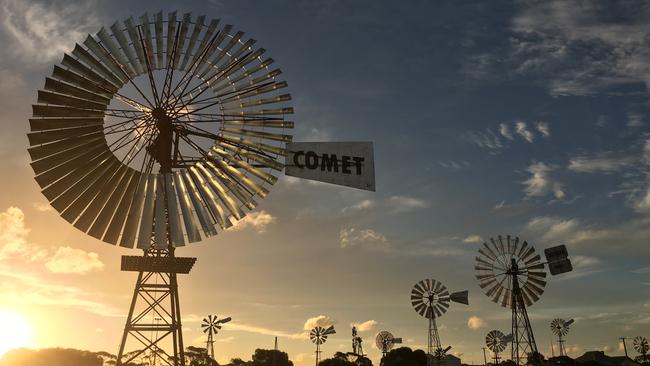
528	118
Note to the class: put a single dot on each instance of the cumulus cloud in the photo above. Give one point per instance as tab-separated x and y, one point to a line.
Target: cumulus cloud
541	181
258	221
473	239
352	237
318	321
474	323
42	32
75	261
366	326
13	232
522	130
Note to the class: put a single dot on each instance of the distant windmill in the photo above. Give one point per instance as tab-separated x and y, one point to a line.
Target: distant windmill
385	342
496	341
318	336
512	275
357	347
560	328
641	345
211	326
430	298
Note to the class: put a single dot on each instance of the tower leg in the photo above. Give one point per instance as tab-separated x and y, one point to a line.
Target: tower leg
154	318
434	350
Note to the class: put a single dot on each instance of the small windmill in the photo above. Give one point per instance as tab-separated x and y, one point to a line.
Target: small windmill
496	341
385	342
318	336
641	345
211	326
560	328
357	346
430	298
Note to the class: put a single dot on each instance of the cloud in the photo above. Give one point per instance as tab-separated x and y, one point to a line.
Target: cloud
551	228
474	323
541	182
606	162
352	237
70	260
473	239
258	221
455	165
13	233
405	203
42	207
361	206
40	33
543	128
318	321
522	130
366	326
505	131
25	289
579	48
643	270
486	140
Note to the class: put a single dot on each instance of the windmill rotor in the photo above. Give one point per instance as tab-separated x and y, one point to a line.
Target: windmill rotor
560	327
512	274
196	126
384	341
641	345
319	334
503	260
496	341
431	299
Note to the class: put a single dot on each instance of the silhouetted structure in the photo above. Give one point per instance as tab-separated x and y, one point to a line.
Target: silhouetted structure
430	298
512	275
318	336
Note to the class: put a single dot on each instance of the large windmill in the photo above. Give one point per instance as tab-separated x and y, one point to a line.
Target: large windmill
641	345
560	328
385	342
430	298
512	275
318	336
497	342
153	134
211	326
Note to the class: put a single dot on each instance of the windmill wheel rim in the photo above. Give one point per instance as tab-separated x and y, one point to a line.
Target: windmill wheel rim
73	152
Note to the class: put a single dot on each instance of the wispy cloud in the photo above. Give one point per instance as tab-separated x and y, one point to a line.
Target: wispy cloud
606	162
42	32
318	321
555	229
406	203
541	181
473	239
522	130
350	237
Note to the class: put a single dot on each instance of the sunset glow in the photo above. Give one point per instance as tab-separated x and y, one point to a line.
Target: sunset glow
17	332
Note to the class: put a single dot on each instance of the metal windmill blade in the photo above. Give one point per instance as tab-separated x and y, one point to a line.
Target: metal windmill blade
560	327
166	131
641	345
430	298
496	341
